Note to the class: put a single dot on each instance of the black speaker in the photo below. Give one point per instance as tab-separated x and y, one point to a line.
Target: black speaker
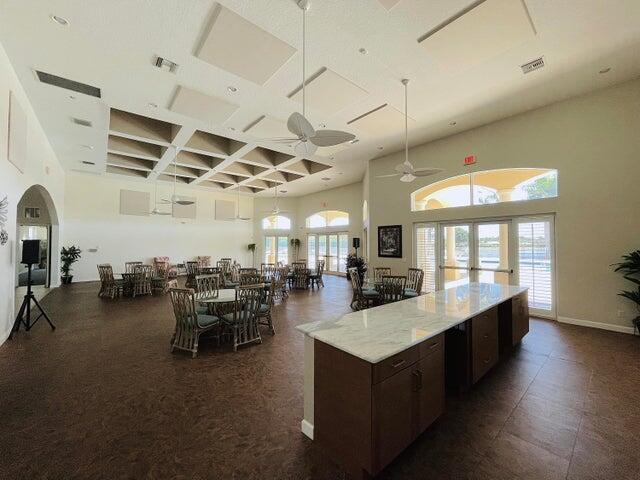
30	251
356	242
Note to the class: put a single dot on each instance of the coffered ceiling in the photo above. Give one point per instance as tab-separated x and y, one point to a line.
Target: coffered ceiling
212	119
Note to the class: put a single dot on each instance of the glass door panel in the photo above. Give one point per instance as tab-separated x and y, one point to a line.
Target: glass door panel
426	255
492	263
269	249
333	253
283	250
343	249
535	263
322	250
311	250
456	265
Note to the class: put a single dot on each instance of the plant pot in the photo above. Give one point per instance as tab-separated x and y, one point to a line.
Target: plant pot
66	280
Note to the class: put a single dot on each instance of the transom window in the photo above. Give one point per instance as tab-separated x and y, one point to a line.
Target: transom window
276	222
489	186
328	218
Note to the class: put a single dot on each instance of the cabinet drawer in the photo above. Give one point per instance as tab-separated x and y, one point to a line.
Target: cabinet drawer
392	365
432	346
485	353
484	323
520	317
431	391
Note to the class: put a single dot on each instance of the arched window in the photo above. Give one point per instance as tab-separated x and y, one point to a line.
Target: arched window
276	222
489	186
328	218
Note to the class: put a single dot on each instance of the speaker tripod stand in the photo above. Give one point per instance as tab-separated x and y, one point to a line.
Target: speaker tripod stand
26	308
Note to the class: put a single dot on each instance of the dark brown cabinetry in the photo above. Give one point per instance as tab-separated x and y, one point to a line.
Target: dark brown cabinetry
401	395
520	317
484	343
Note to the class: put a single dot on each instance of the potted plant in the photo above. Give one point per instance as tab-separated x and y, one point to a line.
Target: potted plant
358	262
295	243
630	269
252	248
68	256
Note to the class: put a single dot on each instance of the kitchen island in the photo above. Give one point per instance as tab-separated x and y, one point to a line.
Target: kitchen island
375	379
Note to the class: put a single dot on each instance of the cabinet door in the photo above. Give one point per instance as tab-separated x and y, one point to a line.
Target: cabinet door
430	389
393	415
520	316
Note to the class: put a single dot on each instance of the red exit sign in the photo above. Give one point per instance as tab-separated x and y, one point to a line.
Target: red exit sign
470	160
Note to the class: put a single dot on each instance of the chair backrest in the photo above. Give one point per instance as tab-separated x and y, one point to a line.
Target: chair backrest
224	265
248	300
161	259
267	269
191	267
355	280
184	309
207	286
161	269
203	261
247	270
319	267
380	272
128	266
250	278
209	271
105	271
271	293
142	273
392	289
414	279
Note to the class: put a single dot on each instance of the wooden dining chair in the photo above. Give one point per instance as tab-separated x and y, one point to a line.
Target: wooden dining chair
415	277
362	298
247	270
282	275
380	272
160	278
142	280
203	260
392	288
109	286
129	266
300	275
266	305
192	269
316	277
250	279
267	270
189	324
207	286
243	321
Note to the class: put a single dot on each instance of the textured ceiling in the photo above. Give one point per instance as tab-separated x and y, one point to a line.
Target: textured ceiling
358	50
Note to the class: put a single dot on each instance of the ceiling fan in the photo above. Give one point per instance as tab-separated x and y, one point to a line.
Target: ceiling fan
276	208
405	170
156	210
306	137
175	200
238	217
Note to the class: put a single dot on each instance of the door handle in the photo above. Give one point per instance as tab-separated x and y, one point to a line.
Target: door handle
417	380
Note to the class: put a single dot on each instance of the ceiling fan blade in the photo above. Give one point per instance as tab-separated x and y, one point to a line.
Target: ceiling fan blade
184	202
389	176
305	149
425	172
282	139
329	138
402	168
300	126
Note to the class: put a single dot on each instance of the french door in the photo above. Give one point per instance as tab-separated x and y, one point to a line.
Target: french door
276	249
513	251
330	247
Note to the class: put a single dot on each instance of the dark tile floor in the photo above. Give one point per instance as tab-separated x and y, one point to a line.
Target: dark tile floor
102	398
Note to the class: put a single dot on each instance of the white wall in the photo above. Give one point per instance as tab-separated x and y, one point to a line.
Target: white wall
92	221
347	198
594	142
42	167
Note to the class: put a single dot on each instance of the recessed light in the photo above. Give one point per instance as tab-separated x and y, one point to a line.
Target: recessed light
59	20
86	162
340	173
88	147
233	129
605	70
331	158
232	89
363	51
152	105
355	140
283	191
72	97
453	124
322	125
325	179
380	148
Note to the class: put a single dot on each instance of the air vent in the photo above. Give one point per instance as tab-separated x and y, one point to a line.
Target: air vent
168	65
365	114
536	64
82	122
85	162
68	84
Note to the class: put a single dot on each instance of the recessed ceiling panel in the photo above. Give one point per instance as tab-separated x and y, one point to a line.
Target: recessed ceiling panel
126	171
214	145
134	148
266	157
389	4
139	127
307	167
328	93
242	48
268	127
196	160
383	121
129	162
479	34
198	105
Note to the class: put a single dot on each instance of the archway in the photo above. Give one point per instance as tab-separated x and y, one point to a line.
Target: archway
37	219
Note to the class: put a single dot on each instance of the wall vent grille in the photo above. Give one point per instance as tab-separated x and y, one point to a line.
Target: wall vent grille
536	64
68	84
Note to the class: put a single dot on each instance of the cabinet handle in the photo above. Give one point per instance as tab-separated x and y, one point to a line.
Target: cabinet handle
397	364
433	345
487	360
486	335
417	380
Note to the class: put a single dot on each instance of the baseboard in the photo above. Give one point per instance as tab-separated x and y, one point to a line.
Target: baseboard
600	325
307	428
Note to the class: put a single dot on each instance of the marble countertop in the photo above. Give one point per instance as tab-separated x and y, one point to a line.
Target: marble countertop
380	332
